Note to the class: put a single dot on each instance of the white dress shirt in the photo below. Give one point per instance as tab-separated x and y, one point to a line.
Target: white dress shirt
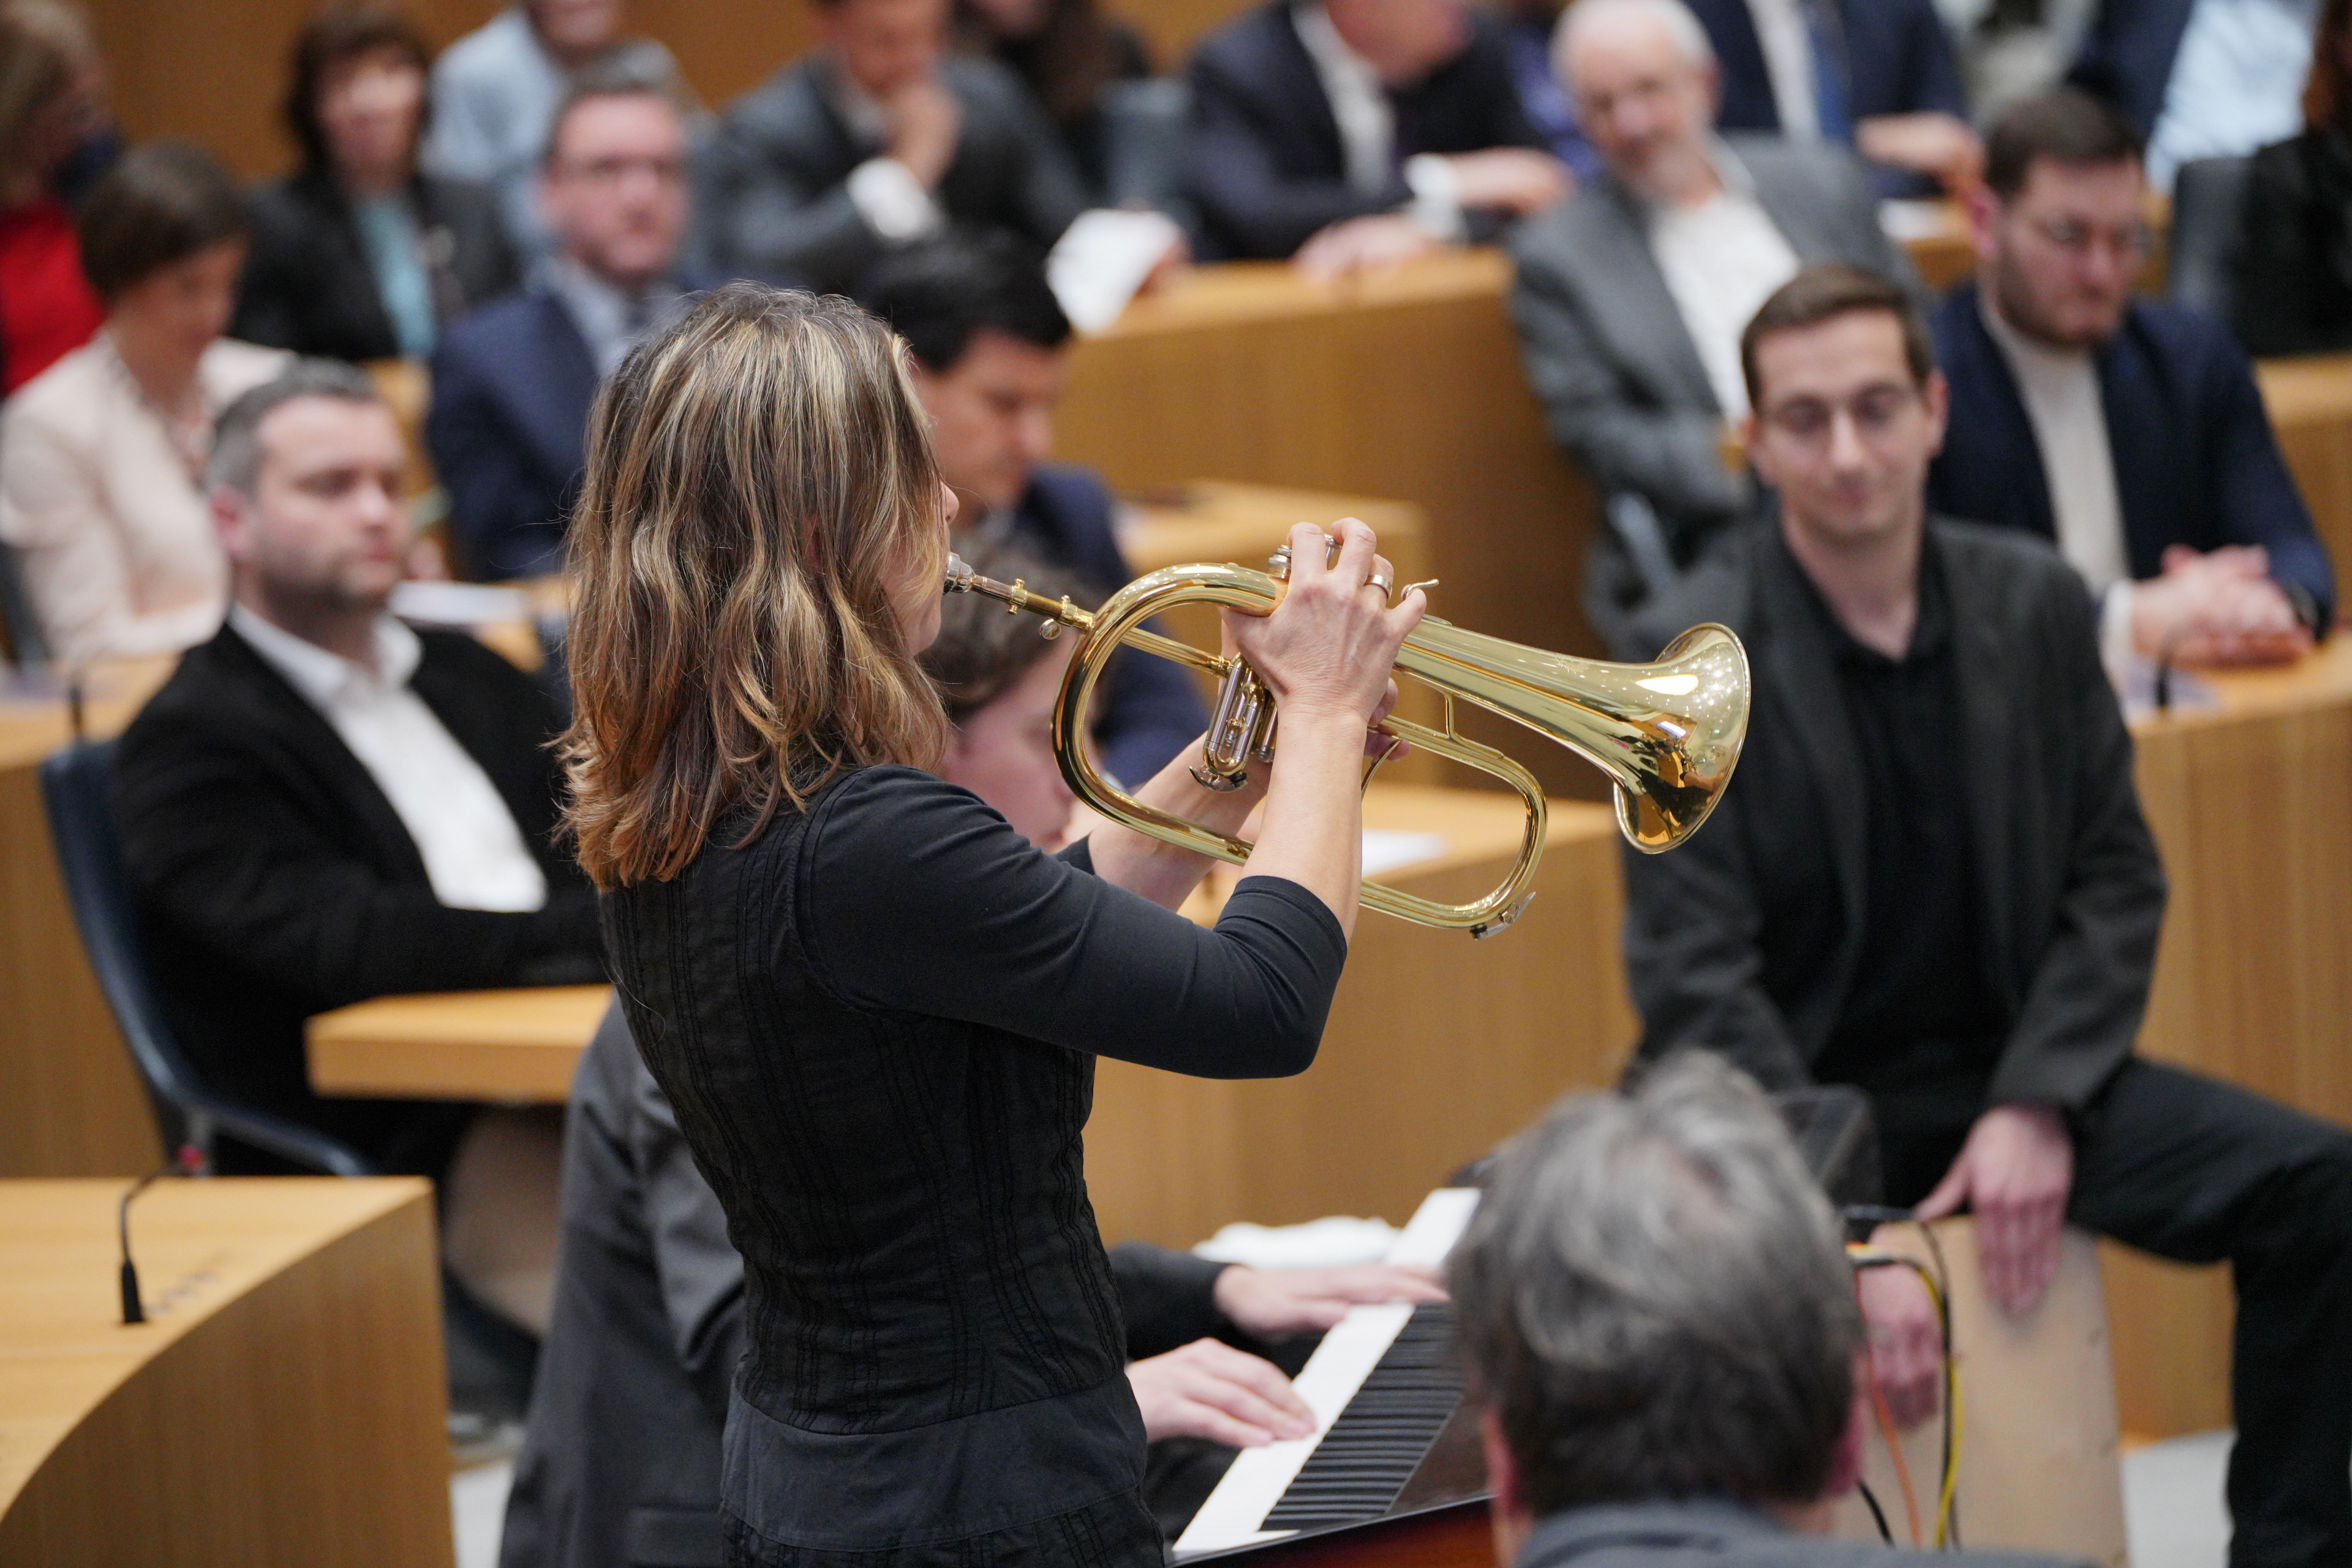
2060	389
1366	121
474	853
611	323
2236	83
1787	48
1721	259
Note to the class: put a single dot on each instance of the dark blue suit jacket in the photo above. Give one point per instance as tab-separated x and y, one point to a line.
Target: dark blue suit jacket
1151	710
2196	462
2127	58
508	432
1899	60
1264	162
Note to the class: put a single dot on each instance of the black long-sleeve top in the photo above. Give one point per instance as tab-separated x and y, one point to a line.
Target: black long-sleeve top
877	1024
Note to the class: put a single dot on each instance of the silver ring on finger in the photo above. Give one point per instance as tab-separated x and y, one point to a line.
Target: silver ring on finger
1384	581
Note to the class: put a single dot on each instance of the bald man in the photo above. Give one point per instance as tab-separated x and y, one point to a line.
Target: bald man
1631	297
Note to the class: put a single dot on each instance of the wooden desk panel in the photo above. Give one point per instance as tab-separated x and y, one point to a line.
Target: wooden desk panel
284	1402
519	1045
71	1102
2310	404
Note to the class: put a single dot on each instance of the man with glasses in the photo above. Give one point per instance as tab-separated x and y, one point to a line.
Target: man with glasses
512	383
1934	883
2127	430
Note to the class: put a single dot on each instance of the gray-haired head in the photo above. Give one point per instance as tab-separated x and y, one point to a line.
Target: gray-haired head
1654	1300
235	460
1584	18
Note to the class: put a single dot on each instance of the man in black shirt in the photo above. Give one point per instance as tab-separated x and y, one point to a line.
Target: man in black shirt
1933	881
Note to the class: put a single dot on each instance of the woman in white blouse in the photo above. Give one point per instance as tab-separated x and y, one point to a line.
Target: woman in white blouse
102	454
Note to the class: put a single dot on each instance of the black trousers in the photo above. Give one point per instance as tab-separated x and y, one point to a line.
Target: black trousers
2199	1170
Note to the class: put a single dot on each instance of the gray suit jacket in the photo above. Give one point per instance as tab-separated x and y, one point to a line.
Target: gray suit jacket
1702	1533
1619	377
785	152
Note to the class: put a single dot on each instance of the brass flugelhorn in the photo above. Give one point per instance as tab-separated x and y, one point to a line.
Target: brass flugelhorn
1667	734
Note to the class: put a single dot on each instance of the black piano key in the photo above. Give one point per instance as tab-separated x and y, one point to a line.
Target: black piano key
1380	1438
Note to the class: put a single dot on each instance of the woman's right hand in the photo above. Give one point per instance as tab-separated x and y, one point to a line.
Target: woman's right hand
1326	649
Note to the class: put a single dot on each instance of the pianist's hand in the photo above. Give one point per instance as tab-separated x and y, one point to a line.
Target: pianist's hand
1214	1391
1906	1344
1275	1303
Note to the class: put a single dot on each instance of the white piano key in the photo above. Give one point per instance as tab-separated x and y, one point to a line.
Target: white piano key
1235	1511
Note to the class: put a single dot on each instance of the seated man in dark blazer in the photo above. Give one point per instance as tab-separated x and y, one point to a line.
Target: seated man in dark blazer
622	1460
322	806
990	348
1657	1318
512	383
1348	132
1878	76
2127	429
1933	883
2201	78
1630	298
877	138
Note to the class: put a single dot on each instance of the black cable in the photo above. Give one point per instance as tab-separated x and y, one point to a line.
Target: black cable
1876	1512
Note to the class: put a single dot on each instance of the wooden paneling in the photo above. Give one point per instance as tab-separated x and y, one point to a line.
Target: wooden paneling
519	1045
283	1404
2310	404
71	1103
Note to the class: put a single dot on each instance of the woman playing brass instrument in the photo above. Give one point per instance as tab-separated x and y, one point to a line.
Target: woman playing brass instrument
874	1005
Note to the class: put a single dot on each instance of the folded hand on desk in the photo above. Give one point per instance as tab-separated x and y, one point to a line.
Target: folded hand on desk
2218	608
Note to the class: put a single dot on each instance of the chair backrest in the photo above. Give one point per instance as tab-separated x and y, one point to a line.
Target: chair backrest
1143	143
74	784
18	628
2209	208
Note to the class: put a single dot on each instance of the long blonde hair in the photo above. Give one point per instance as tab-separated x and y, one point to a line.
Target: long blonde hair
760	481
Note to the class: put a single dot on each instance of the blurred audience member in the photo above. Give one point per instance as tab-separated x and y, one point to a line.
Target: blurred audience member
496	91
54	141
991	349
622	1460
2199	78
880	138
1348	134
101	454
357	256
2294	281
1527	26
1630	299
1878	76
511	385
1066	52
322	806
2127	430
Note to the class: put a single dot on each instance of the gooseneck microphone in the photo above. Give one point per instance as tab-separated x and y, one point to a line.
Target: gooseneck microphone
186	1161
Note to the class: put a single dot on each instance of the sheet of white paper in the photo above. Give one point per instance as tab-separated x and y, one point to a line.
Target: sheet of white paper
1103	259
1387	851
458	603
1334	1241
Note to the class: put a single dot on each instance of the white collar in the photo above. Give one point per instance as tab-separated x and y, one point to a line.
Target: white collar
1734	180
326	678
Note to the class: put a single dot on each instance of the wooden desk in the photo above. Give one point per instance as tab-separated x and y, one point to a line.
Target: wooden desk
70	1104
283	1404
2310	404
517	1046
2251	809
